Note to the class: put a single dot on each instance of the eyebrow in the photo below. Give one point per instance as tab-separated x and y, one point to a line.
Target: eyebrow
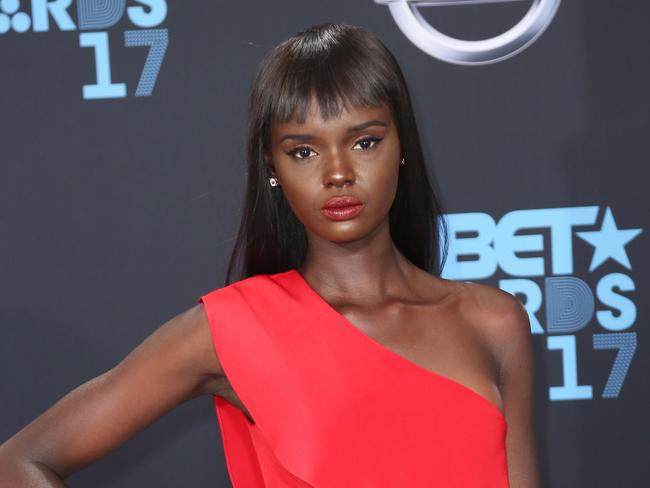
354	128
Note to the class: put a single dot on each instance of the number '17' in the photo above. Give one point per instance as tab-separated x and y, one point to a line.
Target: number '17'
625	342
156	39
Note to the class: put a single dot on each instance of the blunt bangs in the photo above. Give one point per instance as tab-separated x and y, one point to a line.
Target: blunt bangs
339	71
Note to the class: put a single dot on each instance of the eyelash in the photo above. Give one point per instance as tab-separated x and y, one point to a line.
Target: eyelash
376	140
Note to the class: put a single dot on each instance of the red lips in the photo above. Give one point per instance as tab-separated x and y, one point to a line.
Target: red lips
342	208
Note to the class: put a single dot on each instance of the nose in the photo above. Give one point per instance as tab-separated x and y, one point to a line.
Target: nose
338	172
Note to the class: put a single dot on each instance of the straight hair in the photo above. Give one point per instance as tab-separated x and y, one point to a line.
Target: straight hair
340	64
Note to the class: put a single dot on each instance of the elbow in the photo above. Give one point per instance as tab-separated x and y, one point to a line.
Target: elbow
17	470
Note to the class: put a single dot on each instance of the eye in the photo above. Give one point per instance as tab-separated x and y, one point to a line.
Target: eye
300	152
368	142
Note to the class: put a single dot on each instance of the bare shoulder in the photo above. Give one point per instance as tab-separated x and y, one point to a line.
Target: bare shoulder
495	315
493	305
499	317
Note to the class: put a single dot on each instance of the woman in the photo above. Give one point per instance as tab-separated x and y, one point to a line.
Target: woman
335	353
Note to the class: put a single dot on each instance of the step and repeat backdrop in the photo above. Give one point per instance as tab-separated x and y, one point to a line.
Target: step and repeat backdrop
122	172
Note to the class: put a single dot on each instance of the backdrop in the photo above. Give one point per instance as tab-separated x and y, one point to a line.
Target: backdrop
121	179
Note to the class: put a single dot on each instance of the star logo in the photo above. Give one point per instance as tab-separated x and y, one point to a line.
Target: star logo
609	242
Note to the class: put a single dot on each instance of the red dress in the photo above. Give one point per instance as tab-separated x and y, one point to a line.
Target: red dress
333	408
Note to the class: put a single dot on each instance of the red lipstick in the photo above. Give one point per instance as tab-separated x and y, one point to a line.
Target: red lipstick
342	208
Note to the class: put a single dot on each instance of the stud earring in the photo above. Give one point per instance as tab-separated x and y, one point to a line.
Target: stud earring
274	181
403	161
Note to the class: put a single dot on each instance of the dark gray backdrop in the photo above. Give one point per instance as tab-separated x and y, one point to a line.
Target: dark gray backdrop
116	214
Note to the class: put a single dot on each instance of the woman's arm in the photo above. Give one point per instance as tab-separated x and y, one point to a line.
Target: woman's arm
174	364
505	325
514	345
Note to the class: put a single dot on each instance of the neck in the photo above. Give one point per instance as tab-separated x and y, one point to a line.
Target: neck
369	267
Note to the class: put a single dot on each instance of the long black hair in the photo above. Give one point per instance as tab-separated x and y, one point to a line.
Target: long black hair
341	64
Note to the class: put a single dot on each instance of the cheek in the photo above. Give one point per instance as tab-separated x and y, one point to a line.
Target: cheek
384	187
294	184
299	197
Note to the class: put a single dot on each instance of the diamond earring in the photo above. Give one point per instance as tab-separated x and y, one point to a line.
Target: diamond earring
273	181
403	161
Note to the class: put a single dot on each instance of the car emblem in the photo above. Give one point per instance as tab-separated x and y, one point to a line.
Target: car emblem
458	51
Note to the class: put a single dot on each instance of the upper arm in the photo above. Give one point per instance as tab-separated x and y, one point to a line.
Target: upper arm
175	363
503	323
511	332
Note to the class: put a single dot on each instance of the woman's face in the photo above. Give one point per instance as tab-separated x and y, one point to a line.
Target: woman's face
356	154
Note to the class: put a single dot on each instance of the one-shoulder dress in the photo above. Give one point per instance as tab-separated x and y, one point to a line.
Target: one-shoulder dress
333	407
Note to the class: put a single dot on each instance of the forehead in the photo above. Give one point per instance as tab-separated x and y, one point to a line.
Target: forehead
349	115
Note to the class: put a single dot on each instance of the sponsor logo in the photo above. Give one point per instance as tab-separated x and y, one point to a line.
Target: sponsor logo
581	302
458	51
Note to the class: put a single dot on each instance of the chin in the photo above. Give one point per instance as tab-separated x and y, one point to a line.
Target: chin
343	231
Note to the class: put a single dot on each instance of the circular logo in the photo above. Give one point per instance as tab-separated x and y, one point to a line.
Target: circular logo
458	51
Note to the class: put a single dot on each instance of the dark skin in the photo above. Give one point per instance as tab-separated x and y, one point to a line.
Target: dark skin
474	334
